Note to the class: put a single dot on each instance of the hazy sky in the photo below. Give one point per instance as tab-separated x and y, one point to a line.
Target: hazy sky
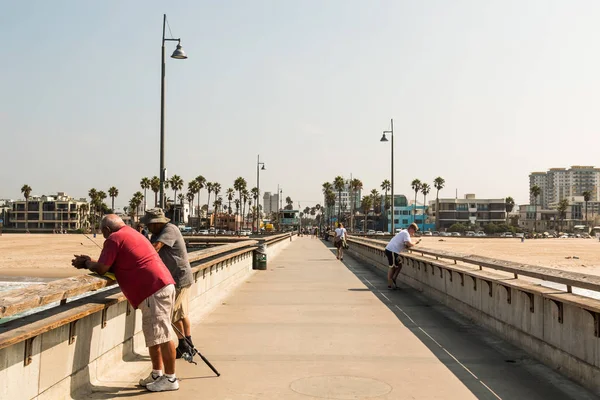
481	92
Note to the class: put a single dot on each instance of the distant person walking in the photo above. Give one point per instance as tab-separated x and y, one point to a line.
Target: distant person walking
147	284
338	241
168	242
399	244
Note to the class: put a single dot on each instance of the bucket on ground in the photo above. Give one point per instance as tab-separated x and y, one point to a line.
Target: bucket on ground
260	258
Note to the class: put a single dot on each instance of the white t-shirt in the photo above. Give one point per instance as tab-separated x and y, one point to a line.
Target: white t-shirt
397	244
340	232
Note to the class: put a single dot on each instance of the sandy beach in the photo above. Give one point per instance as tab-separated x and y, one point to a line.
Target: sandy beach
49	256
43	256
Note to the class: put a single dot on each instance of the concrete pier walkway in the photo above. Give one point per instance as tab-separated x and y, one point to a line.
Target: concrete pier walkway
314	327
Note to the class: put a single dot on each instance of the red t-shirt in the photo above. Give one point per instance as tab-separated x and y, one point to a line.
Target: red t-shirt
137	266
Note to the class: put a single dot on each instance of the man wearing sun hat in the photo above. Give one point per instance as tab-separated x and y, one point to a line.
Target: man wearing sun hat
169	243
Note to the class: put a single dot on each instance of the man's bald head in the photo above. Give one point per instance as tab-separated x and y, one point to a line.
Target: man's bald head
112	221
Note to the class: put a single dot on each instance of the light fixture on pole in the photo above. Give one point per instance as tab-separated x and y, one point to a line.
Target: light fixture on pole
178	54
258	169
384	139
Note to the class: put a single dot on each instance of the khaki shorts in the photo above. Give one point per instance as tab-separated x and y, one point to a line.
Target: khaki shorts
182	304
156	316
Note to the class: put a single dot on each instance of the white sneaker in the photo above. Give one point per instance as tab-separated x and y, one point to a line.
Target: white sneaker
163	384
149	379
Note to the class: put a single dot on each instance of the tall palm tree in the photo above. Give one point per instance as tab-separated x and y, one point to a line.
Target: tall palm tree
139	198
237	210
230	193
255	195
155	187
563	205
416	186
330	201
425	188
438	184
355	185
176	183
113	192
201	185
339	184
100	200
209	187
193	189
587	196
243	201
189	196
240	185
535	192
327	187
26	190
386	186
510	205
367	202
93	194
145	185
249	200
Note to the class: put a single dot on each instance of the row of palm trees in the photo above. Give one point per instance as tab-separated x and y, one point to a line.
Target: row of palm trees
374	199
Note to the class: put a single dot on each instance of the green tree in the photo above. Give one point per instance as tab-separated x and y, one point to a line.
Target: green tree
155	187
26	190
189	196
176	183
563	205
425	188
356	185
240	185
386	186
438	184
457	227
255	195
367	203
330	201
339	185
245	197
587	196
230	193
145	185
510	205
113	192
93	195
416	186
201	181
210	187
535	192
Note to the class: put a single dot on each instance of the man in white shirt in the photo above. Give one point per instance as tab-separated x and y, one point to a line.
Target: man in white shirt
399	244
338	241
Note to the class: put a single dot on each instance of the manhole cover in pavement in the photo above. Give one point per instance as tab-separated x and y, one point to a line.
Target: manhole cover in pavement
340	387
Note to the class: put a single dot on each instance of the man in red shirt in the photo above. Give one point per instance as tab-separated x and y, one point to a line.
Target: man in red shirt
148	285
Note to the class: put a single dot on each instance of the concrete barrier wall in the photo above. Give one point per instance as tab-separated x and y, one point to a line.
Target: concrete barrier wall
67	360
560	329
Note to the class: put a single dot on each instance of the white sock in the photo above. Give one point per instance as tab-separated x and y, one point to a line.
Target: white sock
171	377
156	373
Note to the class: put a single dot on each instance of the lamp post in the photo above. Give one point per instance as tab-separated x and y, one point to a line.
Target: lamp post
258	169
180	55
384	139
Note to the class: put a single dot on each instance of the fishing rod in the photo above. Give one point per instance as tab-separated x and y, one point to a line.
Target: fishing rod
91	240
190	357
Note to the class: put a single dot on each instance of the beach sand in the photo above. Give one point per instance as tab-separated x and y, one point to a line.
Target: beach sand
49	256
45	256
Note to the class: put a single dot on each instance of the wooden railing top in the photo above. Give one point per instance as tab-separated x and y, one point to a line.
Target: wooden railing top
570	279
19	300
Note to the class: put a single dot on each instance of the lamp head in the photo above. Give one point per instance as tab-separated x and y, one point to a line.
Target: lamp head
383	138
179	53
263	167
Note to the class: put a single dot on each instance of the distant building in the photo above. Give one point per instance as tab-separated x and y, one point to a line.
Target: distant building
405	213
228	222
50	213
469	210
270	203
344	206
560	183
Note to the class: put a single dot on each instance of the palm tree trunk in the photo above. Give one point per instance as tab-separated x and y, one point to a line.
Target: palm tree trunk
113	203
26	214
155	199
437	210
207	208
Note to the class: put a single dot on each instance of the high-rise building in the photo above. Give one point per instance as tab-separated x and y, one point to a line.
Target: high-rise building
561	183
270	203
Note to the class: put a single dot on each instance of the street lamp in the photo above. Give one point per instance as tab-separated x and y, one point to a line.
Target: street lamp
180	55
384	139
258	169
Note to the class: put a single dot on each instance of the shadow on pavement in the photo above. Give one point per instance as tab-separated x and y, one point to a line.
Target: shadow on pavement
487	365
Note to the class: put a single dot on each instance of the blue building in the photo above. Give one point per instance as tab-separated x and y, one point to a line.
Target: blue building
404	215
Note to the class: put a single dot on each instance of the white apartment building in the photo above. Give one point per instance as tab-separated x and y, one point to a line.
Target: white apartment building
469	210
48	213
561	183
270	203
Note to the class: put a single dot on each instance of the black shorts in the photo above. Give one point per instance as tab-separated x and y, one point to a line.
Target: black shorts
338	242
390	256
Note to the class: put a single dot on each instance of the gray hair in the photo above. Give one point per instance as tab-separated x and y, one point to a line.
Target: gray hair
112	221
